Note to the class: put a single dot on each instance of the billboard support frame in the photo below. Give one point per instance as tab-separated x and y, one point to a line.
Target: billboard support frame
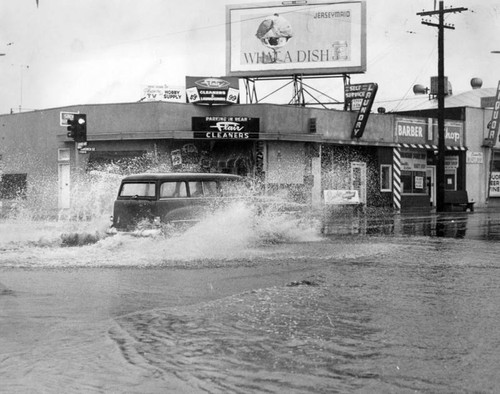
300	89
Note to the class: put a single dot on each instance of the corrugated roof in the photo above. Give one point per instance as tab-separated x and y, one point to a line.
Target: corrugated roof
470	98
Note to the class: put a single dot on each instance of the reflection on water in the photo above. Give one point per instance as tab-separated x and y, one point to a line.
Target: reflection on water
239	304
450	225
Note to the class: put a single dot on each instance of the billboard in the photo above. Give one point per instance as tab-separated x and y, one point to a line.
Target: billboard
211	90
296	37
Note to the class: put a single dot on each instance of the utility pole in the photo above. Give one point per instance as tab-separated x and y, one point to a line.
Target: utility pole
441	93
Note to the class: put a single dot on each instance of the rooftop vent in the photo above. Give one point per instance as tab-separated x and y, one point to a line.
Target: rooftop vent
476	83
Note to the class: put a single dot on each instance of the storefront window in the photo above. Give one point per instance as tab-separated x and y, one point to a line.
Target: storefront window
13	186
385	178
413	172
496	161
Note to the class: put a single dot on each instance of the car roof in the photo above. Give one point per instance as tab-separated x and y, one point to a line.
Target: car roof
176	176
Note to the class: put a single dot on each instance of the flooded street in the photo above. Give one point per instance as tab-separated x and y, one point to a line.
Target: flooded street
391	305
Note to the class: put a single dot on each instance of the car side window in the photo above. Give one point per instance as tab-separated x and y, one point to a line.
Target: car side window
195	189
210	189
173	190
142	189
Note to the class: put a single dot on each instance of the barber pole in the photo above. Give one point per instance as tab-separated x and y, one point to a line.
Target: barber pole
396	178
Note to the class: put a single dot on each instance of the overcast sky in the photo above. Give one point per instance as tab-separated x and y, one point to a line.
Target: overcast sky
104	51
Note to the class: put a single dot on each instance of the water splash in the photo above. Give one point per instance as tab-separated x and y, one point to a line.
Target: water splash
233	232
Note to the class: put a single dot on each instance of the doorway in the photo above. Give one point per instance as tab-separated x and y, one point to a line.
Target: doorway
358	179
64	186
431	184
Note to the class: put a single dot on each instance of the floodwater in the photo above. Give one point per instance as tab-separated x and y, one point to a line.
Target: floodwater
240	305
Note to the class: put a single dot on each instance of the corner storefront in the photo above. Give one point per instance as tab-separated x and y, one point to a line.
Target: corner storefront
415	161
294	151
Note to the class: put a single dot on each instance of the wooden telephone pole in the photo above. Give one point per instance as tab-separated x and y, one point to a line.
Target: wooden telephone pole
441	93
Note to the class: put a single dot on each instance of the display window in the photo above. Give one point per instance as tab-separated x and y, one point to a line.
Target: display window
413	172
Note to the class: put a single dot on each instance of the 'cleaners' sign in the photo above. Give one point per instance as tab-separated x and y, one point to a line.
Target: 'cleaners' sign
226	127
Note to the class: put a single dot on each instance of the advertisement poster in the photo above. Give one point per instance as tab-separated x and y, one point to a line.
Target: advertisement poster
495	184
309	38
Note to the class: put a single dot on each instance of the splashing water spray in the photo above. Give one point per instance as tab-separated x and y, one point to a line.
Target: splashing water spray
222	232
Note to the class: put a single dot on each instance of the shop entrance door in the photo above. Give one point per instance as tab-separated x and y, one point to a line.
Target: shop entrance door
358	179
64	186
431	184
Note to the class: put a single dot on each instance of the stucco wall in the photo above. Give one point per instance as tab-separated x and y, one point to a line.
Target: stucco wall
477	173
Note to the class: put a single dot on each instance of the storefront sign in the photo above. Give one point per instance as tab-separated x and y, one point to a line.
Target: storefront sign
226	127
369	90
341	197
201	90
495	184
164	93
411	131
419	131
453	132
474	157
354	95
65	116
495	121
451	162
413	161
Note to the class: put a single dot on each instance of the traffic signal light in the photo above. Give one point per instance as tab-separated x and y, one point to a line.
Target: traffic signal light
77	128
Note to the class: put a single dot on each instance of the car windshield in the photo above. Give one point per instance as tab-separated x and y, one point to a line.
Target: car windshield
140	189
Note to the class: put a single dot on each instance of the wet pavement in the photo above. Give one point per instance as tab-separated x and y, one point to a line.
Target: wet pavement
384	304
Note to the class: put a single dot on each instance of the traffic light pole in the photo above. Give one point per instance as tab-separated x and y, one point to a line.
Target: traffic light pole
440	176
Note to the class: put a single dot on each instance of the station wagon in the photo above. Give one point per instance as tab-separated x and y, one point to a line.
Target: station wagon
161	198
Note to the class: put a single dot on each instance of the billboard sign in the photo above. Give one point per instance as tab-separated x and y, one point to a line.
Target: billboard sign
296	37
164	93
210	90
226	127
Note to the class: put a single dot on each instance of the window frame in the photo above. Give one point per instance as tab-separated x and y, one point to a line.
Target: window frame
386	168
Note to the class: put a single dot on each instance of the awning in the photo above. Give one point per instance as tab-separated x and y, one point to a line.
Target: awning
431	147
